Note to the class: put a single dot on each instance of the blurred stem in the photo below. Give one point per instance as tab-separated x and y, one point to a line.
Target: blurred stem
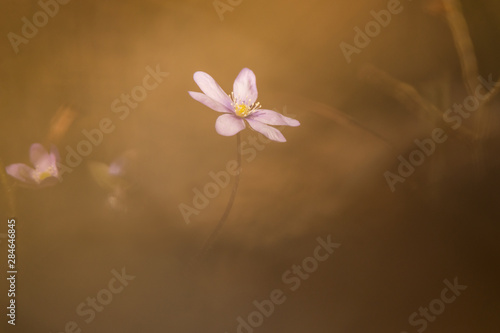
213	235
470	73
8	190
463	44
407	95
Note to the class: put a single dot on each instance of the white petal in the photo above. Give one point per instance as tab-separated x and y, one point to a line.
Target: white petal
207	101
39	156
245	87
273	118
229	124
21	172
268	131
208	85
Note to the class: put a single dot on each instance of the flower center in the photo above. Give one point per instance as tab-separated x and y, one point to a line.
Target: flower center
242	109
41	175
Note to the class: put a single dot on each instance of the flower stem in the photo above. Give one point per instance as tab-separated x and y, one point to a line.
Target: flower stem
220	224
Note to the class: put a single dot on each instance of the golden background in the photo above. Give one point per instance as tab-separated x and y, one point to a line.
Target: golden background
327	179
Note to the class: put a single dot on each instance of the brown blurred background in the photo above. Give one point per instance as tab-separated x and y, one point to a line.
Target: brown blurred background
397	248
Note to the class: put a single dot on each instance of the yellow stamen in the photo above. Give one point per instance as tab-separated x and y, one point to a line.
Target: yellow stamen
40	175
241	110
43	175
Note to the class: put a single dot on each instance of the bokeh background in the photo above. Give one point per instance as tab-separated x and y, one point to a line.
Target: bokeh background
327	179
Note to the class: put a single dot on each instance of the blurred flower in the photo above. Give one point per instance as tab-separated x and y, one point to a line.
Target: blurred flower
60	123
112	178
241	105
45	172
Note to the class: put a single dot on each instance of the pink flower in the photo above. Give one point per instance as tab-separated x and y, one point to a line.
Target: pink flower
240	106
45	172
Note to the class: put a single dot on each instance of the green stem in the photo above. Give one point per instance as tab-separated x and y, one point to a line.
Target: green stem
213	235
